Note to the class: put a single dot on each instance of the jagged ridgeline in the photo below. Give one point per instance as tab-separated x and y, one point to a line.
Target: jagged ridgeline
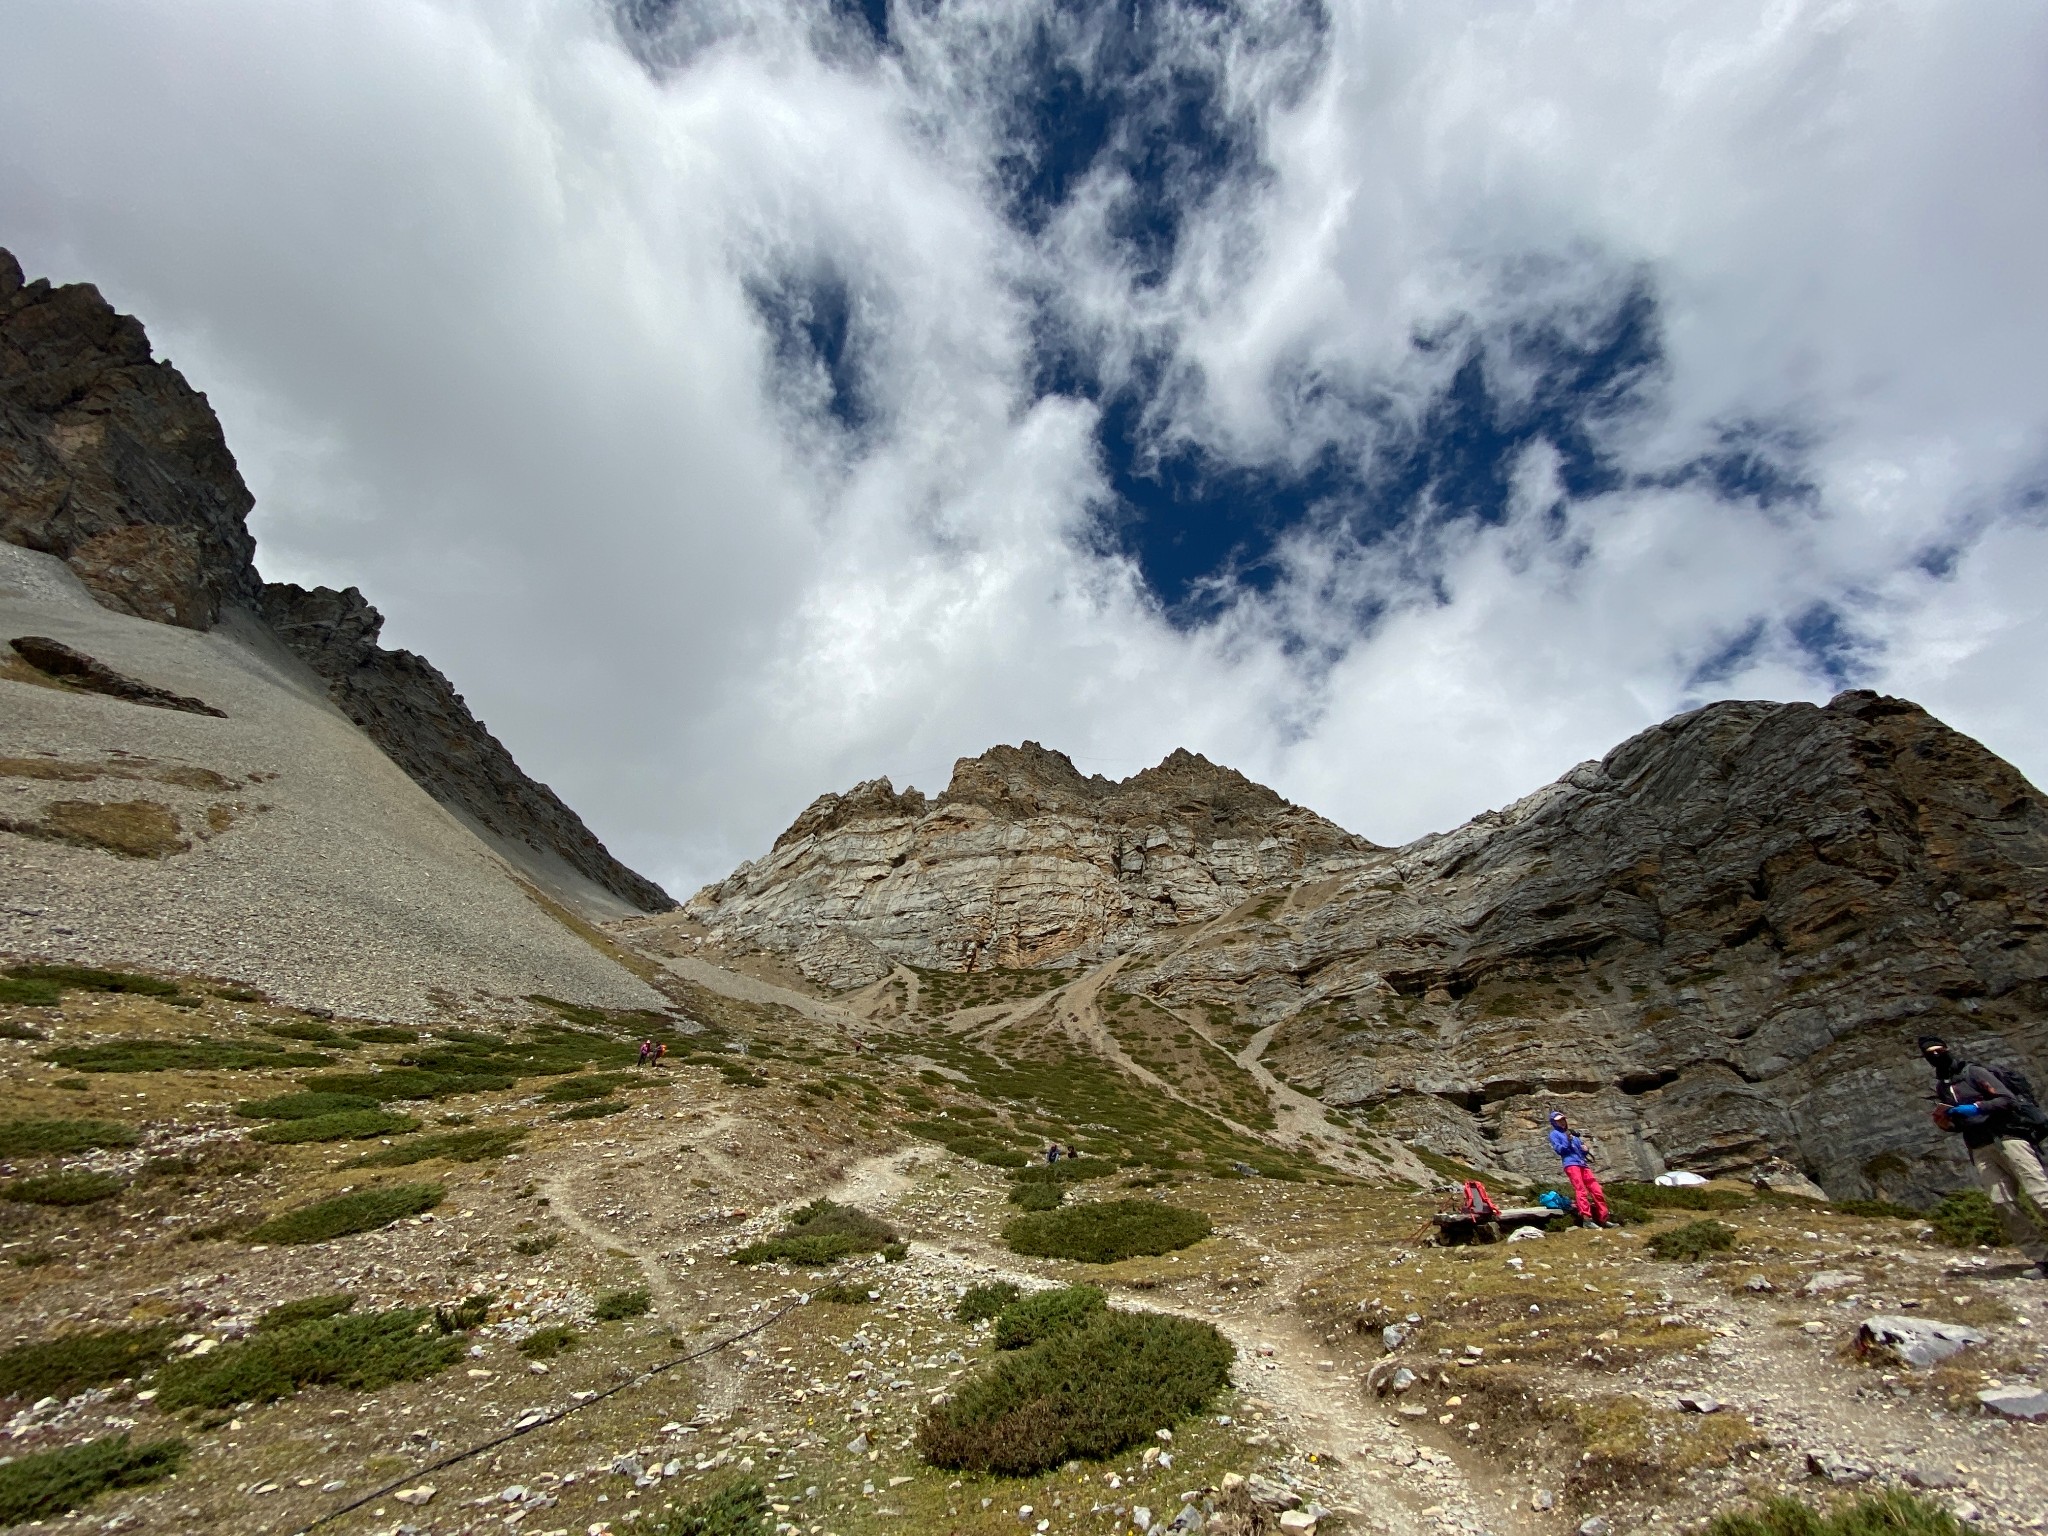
1713	946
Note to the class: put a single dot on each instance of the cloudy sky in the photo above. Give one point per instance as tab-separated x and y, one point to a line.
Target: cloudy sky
1399	402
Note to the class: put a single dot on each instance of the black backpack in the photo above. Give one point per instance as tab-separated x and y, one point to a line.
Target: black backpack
2027	1117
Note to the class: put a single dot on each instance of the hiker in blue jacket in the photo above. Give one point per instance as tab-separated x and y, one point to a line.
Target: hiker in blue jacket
1577	1158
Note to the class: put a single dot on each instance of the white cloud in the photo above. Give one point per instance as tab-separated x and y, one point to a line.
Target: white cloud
470	286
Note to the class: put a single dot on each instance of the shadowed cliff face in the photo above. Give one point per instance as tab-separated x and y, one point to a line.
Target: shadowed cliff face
1023	861
414	713
112	462
1713	947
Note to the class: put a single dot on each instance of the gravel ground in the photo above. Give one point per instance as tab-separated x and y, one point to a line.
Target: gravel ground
335	880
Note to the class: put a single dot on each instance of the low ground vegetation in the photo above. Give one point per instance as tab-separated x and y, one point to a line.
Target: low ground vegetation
737	1509
471	1146
51	1483
1106	1231
1044	1313
362	1210
71	1187
822	1233
617	1306
1693	1241
359	1351
1894	1512
47	1138
1084	1392
978	1303
546	1343
72	1362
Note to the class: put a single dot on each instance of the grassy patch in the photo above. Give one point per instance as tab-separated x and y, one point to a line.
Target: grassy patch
10	1030
1684	1197
1891	1513
361	1352
68	1364
531	1246
1695	1240
737	1509
597	1111
306	1029
362	1210
1967	1219
86	979
1888	1210
1106	1231
407	1084
546	1343
49	1483
985	1300
347	1125
30	994
303	1106
1069	1170
616	1306
475	1146
822	1233
384	1034
307	1309
1087	1392
1037	1197
75	1187
180	1056
43	1138
591	1085
1045	1313
840	1294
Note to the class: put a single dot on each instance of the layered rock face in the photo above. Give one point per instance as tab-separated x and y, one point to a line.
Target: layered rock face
404	704
112	462
1023	861
1713	948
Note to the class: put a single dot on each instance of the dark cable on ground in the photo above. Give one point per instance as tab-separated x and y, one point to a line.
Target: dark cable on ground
554	1418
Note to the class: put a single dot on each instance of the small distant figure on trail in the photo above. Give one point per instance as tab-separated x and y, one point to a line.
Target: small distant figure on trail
1997	1124
1577	1157
1052	1152
646	1050
660	1052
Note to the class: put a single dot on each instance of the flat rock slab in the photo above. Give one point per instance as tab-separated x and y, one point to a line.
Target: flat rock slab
2016	1402
1916	1341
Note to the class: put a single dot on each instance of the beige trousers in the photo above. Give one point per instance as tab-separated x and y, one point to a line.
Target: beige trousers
2007	1170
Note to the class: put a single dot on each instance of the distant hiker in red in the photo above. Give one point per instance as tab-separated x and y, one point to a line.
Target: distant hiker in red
646	1050
1572	1151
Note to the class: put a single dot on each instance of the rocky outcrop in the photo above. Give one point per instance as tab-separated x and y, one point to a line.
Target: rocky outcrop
404	704
1713	947
112	462
1023	861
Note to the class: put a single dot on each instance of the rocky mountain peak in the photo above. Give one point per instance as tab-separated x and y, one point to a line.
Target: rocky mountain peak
112	462
1022	861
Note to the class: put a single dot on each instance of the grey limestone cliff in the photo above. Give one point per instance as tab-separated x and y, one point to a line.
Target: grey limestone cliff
1714	946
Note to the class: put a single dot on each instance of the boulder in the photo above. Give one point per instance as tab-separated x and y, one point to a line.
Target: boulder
1915	1341
2016	1402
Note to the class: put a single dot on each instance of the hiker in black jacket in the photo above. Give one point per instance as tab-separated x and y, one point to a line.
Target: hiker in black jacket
1974	1103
